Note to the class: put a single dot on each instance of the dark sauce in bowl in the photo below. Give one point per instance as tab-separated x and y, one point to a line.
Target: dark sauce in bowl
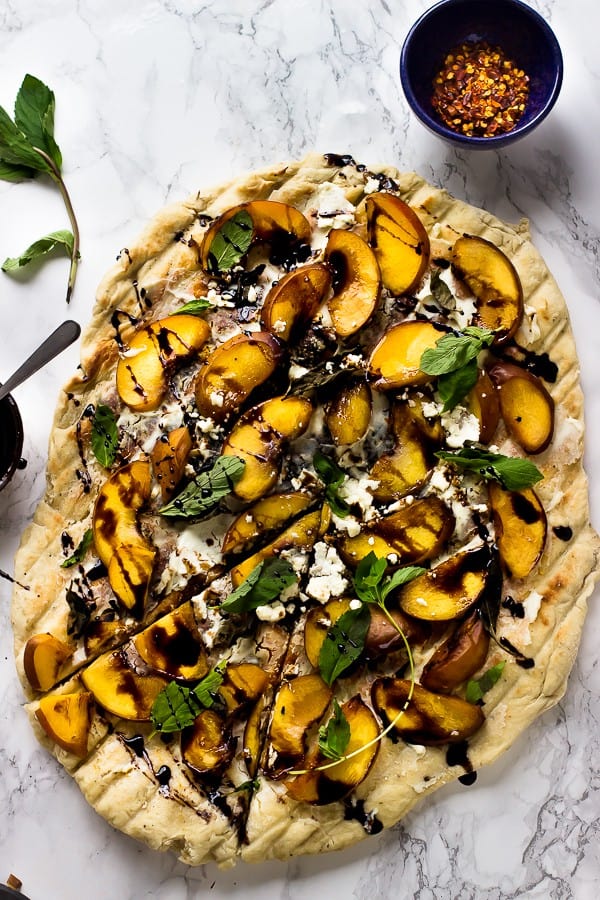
11	439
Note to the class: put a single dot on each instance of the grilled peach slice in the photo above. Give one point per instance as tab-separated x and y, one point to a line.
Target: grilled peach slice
243	684
353	549
66	720
459	657
429	718
356	280
406	416
102	634
252	740
483	402
348	413
270	218
418	531
126	553
342	778
294	300
43	658
266	515
399	240
207	746
403	470
319	620
172	645
169	458
395	360
153	351
259	437
302	535
450	589
383	637
234	370
493	281
526	406
120	689
298	704
521	527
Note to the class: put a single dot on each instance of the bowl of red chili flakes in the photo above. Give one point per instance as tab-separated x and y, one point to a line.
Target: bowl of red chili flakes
481	73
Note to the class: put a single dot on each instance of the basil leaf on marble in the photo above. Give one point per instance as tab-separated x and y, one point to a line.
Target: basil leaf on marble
61	239
344	643
80	551
206	490
265	583
105	436
231	242
335	736
513	472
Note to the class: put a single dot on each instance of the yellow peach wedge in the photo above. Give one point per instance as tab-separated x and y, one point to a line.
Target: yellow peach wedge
399	241
357	282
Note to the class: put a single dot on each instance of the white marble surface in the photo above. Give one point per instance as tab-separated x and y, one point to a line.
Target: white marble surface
154	99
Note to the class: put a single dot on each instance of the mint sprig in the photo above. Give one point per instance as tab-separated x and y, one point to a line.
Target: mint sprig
476	688
454	361
513	472
177	706
265	583
344	643
105	436
335	736
333	477
231	242
206	490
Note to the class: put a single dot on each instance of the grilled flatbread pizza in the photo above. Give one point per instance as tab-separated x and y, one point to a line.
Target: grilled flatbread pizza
316	537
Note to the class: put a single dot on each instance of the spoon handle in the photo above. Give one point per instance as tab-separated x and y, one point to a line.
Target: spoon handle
58	341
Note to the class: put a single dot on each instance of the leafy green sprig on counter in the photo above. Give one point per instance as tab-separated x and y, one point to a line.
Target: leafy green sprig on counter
513	472
476	688
105	435
206	490
335	736
265	583
332	477
80	551
177	706
28	148
454	361
231	242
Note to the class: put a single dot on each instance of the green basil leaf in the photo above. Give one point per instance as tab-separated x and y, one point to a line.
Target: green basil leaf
34	115
231	242
194	307
80	551
265	583
11	172
206	490
477	688
205	690
400	577
333	477
16	149
455	386
344	643
453	351
175	708
105	436
513	472
367	577
63	239
335	736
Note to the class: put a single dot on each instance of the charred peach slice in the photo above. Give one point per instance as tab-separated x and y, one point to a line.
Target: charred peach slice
342	778
521	527
401	471
266	515
493	281
429	718
319	620
383	637
399	241
121	690
450	589
484	403
252	740
357	283
348	413
244	683
172	645
459	657
355	547
418	531
269	219
119	543
207	746
66	720
526	406
142	374
43	658
298	704
169	458
234	370
395	360
294	300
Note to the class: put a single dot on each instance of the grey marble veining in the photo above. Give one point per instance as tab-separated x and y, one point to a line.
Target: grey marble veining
155	100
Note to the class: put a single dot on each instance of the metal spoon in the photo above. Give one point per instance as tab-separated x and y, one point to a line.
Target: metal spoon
58	341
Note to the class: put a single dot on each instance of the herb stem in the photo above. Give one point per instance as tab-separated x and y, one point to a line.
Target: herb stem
56	176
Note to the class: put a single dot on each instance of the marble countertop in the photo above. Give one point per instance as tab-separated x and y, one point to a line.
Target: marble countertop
155	99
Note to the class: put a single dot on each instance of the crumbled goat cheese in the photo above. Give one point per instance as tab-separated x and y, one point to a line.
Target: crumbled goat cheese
272	612
326	577
348	524
531	605
356	490
460	426
334	209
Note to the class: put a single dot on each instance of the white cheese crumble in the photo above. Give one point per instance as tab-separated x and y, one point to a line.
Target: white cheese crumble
356	491
348	524
326	578
531	605
460	426
355	603
271	612
334	209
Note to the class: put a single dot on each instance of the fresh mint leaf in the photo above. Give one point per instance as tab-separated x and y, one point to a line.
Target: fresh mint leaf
453	351
205	690
440	291
194	307
477	688
265	583
333	477
513	472
16	150
177	706
344	643
10	172
400	577
370	583
206	490
455	386
40	248
105	436
34	115
231	242
335	736
80	551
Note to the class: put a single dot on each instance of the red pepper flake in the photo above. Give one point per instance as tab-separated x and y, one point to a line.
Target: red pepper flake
479	92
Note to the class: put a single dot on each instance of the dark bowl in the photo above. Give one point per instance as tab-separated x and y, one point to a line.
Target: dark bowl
519	30
11	439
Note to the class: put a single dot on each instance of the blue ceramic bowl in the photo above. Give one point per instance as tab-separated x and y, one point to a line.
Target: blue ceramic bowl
519	30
